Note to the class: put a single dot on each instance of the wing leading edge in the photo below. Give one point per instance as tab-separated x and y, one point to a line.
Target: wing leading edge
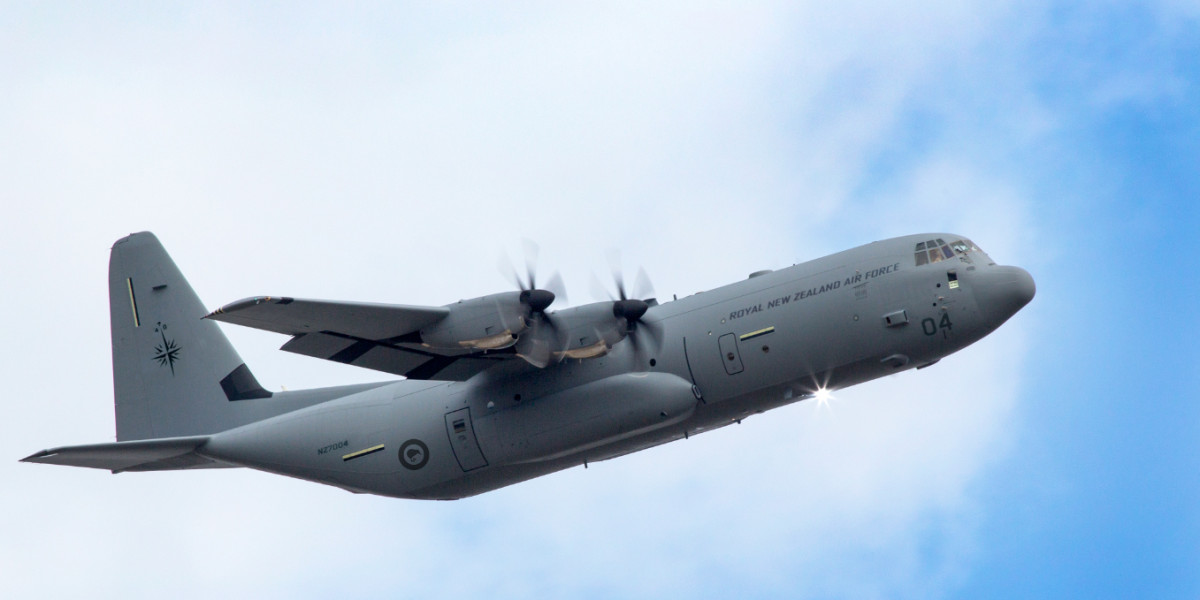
381	337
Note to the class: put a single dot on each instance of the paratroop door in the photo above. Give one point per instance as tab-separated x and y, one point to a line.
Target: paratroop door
729	354
462	440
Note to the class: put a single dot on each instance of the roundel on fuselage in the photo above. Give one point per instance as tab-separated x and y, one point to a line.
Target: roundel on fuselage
414	454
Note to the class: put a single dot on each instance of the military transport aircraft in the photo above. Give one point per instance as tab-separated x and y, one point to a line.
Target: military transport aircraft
501	389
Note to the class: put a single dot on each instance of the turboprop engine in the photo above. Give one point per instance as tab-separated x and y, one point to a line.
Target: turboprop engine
487	323
591	330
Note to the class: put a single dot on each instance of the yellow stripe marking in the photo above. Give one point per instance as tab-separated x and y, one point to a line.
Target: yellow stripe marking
132	302
754	334
364	452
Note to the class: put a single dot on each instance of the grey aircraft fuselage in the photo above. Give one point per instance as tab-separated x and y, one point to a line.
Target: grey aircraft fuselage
775	338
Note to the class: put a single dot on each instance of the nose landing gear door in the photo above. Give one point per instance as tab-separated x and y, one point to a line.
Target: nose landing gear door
729	354
462	440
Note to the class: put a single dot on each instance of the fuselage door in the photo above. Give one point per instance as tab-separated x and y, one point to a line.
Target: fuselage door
462	440
729	354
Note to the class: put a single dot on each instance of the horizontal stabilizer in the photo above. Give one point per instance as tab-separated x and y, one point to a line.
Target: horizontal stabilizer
163	454
294	316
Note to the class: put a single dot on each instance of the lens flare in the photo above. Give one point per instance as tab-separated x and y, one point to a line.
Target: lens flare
823	396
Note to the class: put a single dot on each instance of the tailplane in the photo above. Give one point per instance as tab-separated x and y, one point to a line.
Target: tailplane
174	372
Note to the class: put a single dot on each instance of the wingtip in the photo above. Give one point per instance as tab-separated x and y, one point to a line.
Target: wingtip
245	303
32	458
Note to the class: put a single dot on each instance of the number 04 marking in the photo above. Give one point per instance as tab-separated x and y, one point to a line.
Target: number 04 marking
931	327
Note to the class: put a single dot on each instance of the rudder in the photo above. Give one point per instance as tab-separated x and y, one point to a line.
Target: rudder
174	372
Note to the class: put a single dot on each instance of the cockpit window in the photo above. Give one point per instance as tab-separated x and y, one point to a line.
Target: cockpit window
932	251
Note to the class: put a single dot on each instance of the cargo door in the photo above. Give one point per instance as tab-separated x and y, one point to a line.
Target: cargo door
462	440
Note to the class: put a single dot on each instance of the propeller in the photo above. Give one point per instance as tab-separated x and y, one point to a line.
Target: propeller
537	344
631	309
537	299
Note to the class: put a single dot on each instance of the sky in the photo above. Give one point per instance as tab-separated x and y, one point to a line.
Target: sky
393	152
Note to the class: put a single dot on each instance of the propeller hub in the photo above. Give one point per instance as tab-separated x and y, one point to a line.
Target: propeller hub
630	309
537	300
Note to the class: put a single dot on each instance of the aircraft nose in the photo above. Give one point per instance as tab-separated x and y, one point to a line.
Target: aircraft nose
1002	291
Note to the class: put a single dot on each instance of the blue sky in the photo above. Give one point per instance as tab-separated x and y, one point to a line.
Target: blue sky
1103	482
391	153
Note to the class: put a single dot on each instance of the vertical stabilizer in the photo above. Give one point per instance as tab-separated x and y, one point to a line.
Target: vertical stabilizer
174	372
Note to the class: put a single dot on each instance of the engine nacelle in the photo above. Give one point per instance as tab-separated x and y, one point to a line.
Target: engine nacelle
588	331
486	323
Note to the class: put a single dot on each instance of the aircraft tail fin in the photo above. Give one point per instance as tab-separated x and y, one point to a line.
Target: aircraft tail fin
175	373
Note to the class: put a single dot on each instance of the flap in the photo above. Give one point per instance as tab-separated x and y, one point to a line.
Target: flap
163	454
363	320
410	360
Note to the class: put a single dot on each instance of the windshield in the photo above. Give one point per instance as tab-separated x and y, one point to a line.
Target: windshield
937	250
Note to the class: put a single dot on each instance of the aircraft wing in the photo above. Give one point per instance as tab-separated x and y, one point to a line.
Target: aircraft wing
382	337
294	316
164	454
